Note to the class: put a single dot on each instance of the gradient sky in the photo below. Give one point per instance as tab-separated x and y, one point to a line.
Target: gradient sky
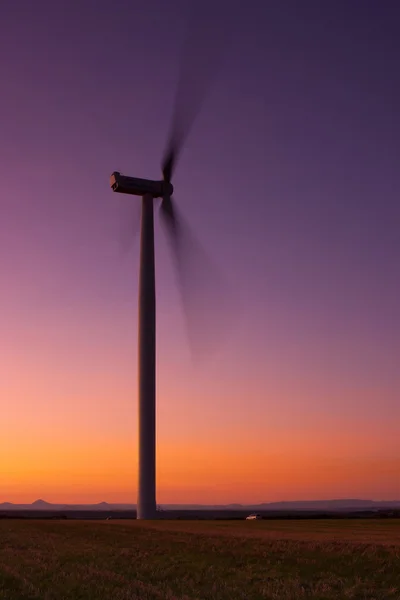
290	178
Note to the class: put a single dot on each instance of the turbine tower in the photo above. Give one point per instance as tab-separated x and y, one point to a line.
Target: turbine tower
148	190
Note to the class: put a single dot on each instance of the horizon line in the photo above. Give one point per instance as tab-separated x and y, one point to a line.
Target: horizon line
254	503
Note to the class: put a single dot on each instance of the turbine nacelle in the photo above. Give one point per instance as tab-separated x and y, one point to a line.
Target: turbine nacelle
140	187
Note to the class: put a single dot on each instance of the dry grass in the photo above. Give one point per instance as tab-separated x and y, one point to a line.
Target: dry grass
129	560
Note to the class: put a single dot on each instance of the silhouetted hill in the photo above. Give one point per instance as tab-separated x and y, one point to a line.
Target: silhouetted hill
40	505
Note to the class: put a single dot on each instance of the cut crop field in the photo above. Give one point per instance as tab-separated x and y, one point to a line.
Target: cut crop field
200	560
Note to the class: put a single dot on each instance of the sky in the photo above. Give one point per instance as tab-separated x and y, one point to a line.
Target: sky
289	178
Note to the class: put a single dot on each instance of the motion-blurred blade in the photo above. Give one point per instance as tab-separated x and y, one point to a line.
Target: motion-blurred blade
169	217
201	56
169	161
206	297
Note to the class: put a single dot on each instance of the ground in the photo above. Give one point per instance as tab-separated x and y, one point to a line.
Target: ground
200	560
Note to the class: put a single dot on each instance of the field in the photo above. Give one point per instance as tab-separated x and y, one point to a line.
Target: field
200	560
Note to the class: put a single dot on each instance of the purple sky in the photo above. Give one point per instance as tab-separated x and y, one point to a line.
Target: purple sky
289	177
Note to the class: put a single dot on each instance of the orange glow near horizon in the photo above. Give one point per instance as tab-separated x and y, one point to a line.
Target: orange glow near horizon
239	468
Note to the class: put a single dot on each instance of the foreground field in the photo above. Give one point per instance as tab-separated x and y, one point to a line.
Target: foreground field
129	560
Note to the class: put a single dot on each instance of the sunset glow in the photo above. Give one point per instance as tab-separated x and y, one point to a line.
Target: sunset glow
289	181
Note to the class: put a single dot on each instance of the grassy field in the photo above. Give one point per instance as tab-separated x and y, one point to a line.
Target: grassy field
200	560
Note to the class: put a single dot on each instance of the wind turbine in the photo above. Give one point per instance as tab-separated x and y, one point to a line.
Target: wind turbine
198	67
150	190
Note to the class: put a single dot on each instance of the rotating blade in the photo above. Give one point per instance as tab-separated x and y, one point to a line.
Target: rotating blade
170	220
168	164
207	299
201	56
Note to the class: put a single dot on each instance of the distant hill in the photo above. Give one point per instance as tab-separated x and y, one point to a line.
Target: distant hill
40	505
345	504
